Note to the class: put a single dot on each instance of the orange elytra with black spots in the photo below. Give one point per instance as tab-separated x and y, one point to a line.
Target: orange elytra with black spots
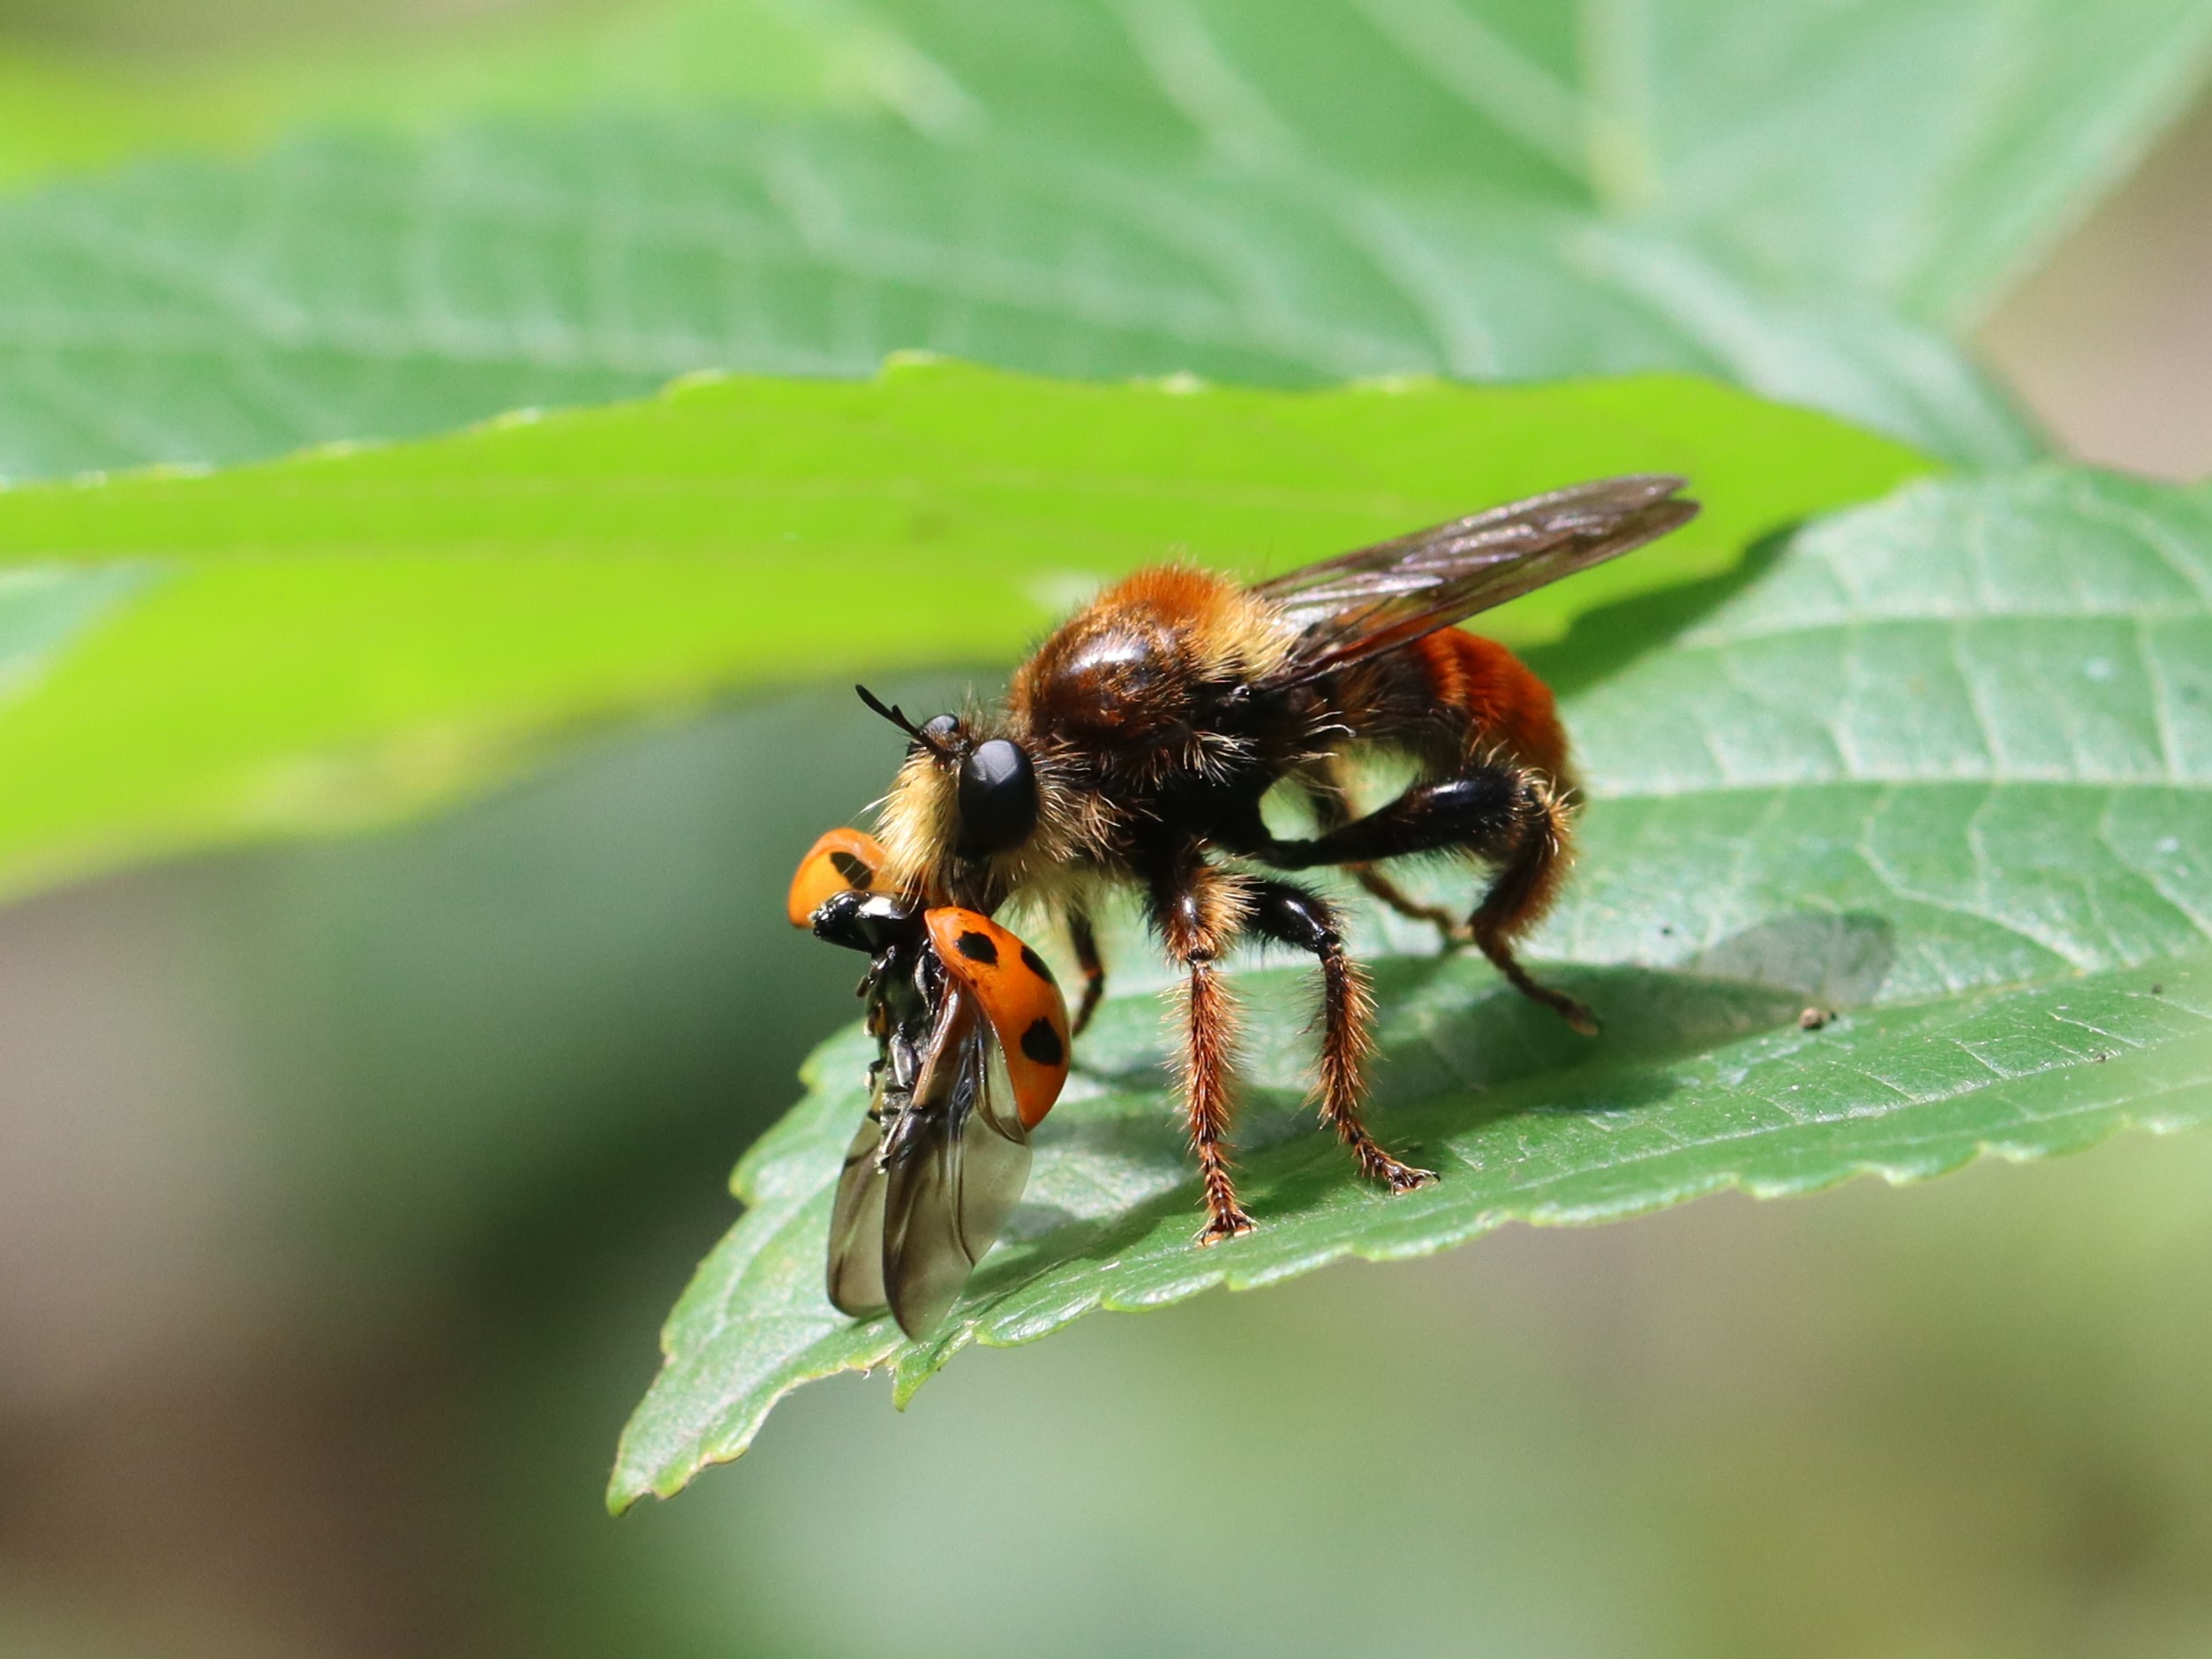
1018	997
842	861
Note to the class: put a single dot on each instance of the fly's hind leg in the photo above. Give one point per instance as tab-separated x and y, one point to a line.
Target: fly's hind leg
1332	809
1509	816
1293	916
1528	877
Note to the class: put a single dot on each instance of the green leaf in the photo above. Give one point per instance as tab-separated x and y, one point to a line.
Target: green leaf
1944	767
360	287
335	638
1921	151
1390	186
1491	190
1764	195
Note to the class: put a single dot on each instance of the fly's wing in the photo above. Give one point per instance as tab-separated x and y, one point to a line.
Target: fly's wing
856	1221
955	1164
1378	598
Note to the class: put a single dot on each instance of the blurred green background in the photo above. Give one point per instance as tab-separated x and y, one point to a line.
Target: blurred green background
342	1189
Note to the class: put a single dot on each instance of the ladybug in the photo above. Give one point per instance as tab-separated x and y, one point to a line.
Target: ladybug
972	1045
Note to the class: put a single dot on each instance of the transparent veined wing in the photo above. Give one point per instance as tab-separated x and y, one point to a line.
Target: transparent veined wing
856	1221
974	1050
1381	598
954	1165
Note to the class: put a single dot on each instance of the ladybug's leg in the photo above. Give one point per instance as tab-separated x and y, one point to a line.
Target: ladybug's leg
1304	920
1509	816
1084	938
1197	910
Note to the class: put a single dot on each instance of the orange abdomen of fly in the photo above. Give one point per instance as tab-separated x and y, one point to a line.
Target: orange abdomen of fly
1505	704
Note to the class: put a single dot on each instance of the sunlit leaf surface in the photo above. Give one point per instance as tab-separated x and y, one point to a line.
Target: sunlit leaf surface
1943	768
336	638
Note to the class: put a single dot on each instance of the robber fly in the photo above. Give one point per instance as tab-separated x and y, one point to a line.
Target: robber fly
1134	750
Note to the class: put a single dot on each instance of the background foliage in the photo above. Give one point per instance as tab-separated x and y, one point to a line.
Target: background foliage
348	1178
1081	188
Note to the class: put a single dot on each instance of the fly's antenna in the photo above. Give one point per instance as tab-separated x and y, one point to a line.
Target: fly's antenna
897	716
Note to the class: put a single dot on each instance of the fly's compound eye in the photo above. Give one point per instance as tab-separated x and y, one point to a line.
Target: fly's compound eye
997	798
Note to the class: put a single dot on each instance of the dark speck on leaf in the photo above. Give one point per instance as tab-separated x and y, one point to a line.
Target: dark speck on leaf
1813	1019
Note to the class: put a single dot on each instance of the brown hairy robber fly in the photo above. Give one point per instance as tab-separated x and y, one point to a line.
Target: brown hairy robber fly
1134	750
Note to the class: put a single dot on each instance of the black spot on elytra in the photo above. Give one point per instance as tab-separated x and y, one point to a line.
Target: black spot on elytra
1042	1044
856	871
1034	964
979	947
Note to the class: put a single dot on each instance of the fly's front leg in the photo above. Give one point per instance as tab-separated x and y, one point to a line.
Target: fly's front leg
1198	910
1304	920
1084	938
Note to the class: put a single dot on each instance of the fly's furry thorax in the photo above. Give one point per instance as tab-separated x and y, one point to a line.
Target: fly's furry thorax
1120	676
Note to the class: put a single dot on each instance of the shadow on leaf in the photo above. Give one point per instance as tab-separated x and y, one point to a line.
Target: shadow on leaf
1607	638
1456	1050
